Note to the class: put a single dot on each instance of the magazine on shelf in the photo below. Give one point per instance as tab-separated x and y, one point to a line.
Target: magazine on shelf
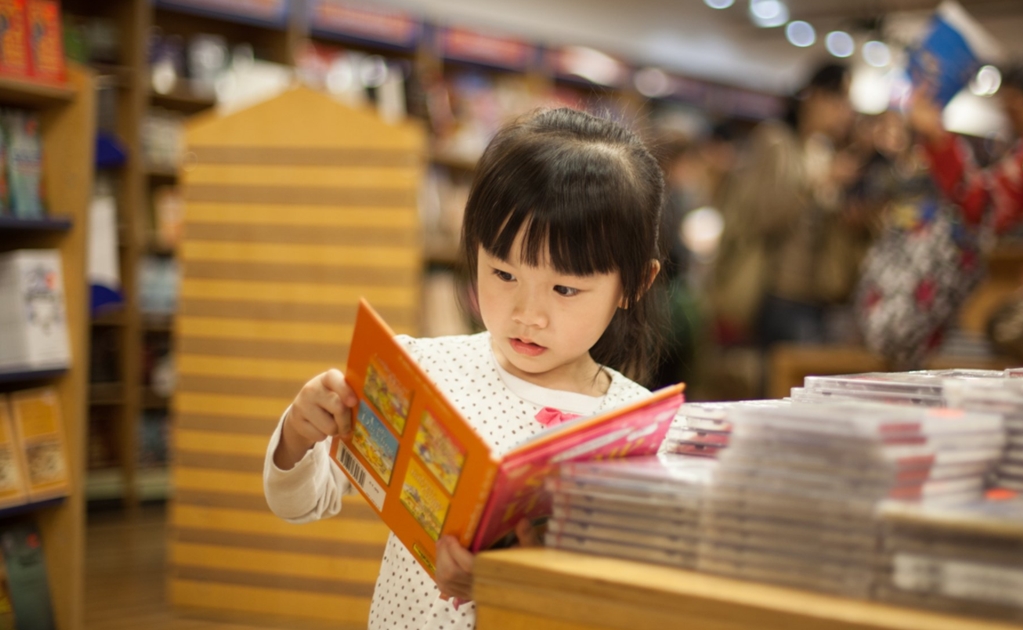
428	473
951	52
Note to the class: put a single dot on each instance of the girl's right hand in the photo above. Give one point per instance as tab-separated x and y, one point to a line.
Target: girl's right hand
321	409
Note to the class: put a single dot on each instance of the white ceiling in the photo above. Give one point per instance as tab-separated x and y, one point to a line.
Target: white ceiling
688	37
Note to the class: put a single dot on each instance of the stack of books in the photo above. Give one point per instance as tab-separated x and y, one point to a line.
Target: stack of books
794	499
965	559
641	508
703	429
922	388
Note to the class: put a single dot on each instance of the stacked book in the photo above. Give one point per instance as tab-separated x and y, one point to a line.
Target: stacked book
986	391
794	499
641	508
1001	396
922	388
965	559
703	429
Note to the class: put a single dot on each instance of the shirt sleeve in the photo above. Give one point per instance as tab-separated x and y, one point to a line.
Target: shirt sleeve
311	490
976	191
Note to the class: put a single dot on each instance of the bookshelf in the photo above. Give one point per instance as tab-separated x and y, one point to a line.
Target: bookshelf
67	121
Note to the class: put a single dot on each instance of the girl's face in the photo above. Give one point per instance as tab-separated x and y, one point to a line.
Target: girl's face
543	323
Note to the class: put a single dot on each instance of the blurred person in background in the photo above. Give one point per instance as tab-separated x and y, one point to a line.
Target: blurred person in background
694	170
995	193
787	251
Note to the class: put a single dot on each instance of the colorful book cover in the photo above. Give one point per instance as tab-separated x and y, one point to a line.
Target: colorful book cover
46	41
427	472
13	43
27	579
950	53
24	164
40	431
12	467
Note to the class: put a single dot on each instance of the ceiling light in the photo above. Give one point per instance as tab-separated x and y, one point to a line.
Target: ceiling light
652	82
877	54
768	13
987	81
800	33
719	4
840	44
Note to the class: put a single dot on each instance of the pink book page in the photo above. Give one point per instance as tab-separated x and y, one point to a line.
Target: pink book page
518	489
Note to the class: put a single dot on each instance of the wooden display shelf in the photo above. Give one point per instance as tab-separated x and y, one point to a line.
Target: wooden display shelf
157	323
28	376
112	319
549	589
27	93
12	225
107	484
162	174
29	508
152	400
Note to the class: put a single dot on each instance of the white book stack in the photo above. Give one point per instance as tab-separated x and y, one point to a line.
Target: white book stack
794	499
33	317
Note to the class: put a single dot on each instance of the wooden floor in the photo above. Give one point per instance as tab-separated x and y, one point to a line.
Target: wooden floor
125	576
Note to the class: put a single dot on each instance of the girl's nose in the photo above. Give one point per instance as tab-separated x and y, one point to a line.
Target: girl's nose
530	311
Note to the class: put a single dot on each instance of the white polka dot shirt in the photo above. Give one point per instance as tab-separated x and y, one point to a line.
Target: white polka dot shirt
502	409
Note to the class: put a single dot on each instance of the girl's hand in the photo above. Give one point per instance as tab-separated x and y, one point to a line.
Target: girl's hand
454	570
529	536
924	116
321	409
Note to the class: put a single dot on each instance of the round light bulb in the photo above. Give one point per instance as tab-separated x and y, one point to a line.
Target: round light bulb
840	44
800	33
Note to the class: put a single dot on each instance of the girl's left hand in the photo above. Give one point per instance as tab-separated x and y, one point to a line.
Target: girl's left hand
454	569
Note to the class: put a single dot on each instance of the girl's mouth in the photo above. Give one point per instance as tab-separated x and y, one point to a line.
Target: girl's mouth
527	348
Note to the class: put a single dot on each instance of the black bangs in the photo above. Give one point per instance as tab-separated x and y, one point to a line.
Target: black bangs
577	198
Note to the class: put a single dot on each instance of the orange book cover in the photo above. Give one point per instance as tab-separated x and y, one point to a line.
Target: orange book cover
46	41
12	467
40	432
426	471
13	39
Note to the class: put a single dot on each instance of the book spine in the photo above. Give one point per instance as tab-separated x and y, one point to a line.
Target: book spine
475	527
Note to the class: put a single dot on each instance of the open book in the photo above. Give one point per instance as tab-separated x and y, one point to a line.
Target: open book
427	473
950	53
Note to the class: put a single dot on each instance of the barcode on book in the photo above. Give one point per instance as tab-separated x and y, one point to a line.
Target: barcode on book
373	491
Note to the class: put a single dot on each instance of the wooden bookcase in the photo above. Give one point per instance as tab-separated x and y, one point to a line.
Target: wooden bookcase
67	117
295	208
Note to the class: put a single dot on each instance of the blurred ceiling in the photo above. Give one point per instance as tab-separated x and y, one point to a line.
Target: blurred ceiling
688	37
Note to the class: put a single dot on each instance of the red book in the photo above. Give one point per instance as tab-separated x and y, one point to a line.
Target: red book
46	41
13	39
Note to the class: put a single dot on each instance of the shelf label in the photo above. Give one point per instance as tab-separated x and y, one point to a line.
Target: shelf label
494	50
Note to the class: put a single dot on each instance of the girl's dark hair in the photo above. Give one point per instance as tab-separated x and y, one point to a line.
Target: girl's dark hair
588	193
828	78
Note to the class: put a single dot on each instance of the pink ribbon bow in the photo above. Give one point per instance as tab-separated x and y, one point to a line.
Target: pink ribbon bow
549	416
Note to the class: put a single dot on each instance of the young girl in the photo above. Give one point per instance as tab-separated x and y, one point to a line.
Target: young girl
561	230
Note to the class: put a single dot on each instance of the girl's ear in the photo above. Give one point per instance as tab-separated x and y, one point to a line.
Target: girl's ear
655	268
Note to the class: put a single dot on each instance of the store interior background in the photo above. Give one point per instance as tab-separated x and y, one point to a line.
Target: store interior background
676	71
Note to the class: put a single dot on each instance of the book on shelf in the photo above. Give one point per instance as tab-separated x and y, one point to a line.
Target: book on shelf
23	149
33	316
39	429
13	39
28	583
12	466
46	41
428	473
950	53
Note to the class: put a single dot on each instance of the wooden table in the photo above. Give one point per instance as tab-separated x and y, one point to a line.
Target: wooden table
549	589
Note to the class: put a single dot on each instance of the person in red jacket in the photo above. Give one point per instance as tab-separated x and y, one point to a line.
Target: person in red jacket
997	189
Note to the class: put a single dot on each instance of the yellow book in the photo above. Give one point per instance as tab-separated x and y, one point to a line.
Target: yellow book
12	467
39	429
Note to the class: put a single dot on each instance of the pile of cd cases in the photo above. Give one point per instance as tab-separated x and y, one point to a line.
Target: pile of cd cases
965	559
793	501
703	429
972	390
645	508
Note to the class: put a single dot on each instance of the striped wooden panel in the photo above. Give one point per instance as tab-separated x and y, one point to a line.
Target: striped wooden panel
284	233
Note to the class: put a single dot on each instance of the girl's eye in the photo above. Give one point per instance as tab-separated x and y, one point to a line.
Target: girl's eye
565	291
503	275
